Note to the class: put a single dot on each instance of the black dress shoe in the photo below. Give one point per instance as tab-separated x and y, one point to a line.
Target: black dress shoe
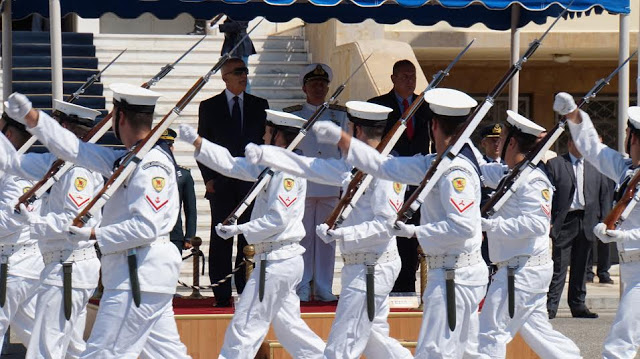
584	313
606	281
223	304
552	314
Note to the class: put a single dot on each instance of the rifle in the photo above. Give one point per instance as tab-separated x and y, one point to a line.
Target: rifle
267	173
130	162
60	167
360	181
620	212
441	163
521	171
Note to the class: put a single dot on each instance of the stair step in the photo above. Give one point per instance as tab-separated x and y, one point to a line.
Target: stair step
44	101
45	50
45	61
162	57
44	74
44	87
176	42
178	81
148	69
44	37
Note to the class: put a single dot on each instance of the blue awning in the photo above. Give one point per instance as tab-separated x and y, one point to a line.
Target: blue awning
495	14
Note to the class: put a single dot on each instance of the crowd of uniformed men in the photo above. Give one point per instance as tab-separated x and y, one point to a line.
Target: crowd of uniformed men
44	255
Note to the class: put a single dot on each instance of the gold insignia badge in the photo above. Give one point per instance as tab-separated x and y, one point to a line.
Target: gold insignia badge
497	129
459	183
397	187
26	189
546	194
80	183
288	183
158	183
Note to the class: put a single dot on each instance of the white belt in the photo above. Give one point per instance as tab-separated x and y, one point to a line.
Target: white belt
454	261
7	250
526	261
268	247
62	256
159	240
369	258
628	257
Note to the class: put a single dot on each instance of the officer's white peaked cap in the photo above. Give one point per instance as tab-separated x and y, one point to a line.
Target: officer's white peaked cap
70	109
316	71
634	116
524	124
134	95
280	118
449	102
368	110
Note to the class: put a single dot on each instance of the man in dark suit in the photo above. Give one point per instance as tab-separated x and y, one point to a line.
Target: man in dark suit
231	119
414	140
490	144
580	194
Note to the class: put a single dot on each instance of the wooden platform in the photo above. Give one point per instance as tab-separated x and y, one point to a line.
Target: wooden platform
203	334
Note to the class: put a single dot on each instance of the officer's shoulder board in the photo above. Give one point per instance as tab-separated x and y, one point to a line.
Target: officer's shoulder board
185	168
338	108
293	108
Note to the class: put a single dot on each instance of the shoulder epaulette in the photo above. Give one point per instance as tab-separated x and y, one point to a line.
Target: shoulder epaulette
185	168
338	108
293	108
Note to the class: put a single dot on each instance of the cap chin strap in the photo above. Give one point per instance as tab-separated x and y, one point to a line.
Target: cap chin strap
506	142
116	125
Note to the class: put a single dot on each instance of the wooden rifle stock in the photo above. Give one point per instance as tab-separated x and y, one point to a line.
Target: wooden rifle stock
613	217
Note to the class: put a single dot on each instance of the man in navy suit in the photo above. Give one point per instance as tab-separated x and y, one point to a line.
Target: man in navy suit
231	119
414	140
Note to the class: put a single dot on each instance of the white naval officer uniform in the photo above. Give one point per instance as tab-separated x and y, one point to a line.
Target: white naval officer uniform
275	229
518	235
52	333
140	215
319	257
352	334
450	233
623	339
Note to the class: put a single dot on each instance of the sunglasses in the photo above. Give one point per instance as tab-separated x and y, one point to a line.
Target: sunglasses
239	71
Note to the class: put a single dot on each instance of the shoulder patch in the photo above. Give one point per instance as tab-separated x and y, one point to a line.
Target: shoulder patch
338	108
288	184
156	164
158	183
397	187
26	189
293	108
80	183
546	194
461	204
459	183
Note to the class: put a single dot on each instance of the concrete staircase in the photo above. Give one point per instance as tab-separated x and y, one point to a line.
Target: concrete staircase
273	73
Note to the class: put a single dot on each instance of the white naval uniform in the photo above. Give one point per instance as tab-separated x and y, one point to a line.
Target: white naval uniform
25	264
352	334
623	339
275	229
139	215
521	228
52	333
451	225
319	257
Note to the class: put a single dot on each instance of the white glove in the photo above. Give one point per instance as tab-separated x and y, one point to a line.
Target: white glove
17	107
187	133
327	132
564	104
487	224
403	230
608	235
80	233
253	153
226	232
24	215
323	231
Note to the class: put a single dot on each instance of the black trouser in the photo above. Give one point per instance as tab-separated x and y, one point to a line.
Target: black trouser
602	255
228	194
571	247
408	251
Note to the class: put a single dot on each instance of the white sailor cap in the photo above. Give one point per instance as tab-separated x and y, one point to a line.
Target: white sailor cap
367	113
134	98
75	113
449	102
634	116
279	118
524	124
316	71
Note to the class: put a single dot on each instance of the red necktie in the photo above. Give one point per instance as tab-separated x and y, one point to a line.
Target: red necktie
405	106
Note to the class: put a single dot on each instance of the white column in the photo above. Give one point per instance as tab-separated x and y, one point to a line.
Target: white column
514	86
7	51
623	80
56	49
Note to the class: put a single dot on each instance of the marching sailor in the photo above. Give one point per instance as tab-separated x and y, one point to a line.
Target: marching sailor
451	230
20	258
136	223
624	337
319	257
275	230
366	246
70	265
518	238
